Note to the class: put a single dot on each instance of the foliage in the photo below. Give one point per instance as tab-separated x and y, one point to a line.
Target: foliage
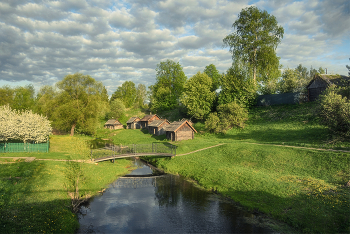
46	100
237	87
117	109
198	96
141	94
126	93
255	39
25	126
6	94
291	81
229	115
348	67
24	98
80	103
168	88
214	74
335	111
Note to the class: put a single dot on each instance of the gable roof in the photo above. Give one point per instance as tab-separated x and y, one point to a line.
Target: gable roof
338	80
148	117
158	122
112	122
132	119
174	126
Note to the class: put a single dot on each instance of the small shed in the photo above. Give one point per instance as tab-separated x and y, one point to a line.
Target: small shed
133	123
157	127
113	124
145	121
180	130
321	82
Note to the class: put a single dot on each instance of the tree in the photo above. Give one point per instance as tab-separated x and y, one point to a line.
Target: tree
198	96
46	100
141	95
214	74
168	88
237	87
80	103
126	93
24	98
348	67
290	81
117	109
6	94
23	125
255	40
229	115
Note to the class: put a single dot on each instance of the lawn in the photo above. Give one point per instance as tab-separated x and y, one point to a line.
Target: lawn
33	195
303	188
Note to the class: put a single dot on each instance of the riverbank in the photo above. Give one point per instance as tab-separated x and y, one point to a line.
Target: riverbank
34	195
301	187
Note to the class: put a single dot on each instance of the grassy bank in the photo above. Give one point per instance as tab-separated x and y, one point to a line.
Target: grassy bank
33	195
303	188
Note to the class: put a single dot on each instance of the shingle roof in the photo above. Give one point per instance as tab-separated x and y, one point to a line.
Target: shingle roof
132	119
148	117
112	122
338	80
158	122
174	126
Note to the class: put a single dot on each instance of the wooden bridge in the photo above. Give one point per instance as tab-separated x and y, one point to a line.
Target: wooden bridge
113	152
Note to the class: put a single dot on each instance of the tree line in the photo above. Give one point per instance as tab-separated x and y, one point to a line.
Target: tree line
79	102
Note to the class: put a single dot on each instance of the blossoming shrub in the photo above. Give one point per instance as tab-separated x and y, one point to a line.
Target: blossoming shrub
25	126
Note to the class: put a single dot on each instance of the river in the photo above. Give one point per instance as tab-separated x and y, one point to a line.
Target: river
144	203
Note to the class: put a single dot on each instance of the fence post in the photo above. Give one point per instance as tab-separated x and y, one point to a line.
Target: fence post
91	155
152	147
175	149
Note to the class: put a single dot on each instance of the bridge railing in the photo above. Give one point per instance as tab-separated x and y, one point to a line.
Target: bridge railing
132	149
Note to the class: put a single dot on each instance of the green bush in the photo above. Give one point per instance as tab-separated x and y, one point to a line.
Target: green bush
229	115
335	111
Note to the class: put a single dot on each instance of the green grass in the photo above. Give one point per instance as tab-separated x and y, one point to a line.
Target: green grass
303	188
33	195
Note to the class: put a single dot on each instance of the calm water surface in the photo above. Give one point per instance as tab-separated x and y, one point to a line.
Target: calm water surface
162	204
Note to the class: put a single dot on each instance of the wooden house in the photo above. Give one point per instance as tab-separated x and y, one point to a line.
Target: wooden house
321	82
113	124
133	123
180	130
157	127
145	121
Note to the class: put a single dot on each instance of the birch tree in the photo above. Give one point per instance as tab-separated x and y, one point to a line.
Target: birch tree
255	40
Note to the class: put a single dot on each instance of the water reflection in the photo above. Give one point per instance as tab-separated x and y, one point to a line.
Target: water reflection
161	204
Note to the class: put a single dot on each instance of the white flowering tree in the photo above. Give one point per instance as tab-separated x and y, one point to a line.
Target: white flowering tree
25	126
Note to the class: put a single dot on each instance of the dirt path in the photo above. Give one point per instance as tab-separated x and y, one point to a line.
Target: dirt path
200	149
300	147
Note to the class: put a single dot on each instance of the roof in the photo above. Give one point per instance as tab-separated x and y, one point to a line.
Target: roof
112	122
158	122
174	126
132	119
148	117
338	80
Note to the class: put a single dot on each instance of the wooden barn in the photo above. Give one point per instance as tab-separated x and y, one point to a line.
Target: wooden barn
157	127
180	130
145	121
321	82
113	124
133	123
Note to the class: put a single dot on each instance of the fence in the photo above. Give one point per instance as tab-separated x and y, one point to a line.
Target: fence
278	99
24	147
131	149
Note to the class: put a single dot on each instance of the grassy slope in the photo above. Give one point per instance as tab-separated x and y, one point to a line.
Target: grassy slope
37	201
302	187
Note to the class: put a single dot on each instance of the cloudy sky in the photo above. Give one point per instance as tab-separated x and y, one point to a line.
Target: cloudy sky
41	41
